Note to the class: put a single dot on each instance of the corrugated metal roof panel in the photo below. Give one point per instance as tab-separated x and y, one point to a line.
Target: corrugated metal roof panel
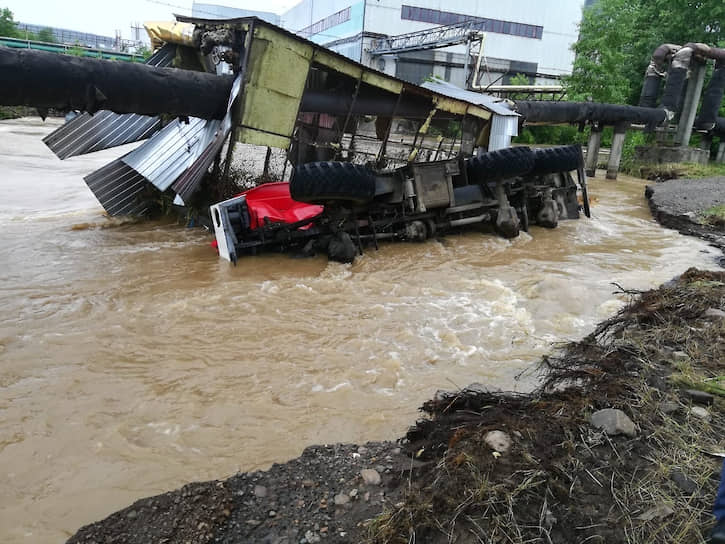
119	189
496	105
88	133
172	151
190	179
178	157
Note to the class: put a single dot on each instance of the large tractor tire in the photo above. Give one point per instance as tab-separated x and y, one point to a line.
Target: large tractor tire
551	160
323	182
500	164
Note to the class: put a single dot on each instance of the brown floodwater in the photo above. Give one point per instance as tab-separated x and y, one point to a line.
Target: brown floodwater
133	360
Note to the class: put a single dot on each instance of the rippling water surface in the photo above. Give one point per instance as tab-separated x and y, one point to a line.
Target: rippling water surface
134	360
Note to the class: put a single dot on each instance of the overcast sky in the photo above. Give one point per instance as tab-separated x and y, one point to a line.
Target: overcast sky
105	17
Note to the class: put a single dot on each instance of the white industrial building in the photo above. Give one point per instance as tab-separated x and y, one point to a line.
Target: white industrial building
531	37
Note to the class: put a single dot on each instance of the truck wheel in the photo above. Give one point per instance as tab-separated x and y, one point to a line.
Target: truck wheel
550	160
500	164
341	248
322	182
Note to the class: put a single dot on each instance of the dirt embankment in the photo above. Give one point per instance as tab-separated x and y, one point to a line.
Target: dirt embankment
682	204
615	446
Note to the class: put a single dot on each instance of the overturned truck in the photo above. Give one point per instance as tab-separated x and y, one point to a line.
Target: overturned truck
355	176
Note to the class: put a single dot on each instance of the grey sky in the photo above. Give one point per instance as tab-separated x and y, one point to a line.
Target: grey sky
105	17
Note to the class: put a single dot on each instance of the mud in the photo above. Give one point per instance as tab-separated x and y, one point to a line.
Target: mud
679	203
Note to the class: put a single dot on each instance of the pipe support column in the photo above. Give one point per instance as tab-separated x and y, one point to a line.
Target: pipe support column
692	99
615	154
595	142
720	153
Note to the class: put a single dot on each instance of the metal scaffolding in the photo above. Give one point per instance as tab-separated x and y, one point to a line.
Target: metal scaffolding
431	38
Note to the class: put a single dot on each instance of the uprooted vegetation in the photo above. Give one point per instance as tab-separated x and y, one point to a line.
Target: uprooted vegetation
667	171
714	216
563	480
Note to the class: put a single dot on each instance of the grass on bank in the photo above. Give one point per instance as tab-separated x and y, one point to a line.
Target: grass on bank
714	216
563	480
662	172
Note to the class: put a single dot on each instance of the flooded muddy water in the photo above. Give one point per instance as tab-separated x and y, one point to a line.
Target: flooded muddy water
134	360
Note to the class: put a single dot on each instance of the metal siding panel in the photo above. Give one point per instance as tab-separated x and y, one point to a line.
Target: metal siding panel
272	95
118	188
170	152
88	133
503	128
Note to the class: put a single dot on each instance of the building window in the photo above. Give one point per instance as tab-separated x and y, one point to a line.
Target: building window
328	22
436	17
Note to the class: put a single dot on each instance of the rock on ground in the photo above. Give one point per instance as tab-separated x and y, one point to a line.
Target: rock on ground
613	422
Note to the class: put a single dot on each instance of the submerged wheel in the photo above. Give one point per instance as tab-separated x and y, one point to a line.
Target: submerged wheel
500	164
321	182
524	216
550	160
341	248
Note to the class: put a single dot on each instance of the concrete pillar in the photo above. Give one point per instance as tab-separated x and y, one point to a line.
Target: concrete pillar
615	155
706	142
720	153
595	141
692	99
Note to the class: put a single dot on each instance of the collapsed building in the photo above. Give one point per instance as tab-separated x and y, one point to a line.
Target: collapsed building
354	178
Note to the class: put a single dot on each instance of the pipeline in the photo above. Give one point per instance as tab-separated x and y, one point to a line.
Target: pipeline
677	76
712	98
46	80
587	112
655	71
682	59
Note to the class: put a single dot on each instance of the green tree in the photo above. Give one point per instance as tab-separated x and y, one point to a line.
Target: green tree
8	26
617	38
144	52
75	51
46	35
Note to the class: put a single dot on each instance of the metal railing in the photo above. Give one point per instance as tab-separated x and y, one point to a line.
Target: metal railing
17	43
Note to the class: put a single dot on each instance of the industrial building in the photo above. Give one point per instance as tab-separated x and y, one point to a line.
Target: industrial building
214	11
529	37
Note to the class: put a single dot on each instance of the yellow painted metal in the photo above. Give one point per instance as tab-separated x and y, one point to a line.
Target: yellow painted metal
450	105
276	76
167	32
423	130
481	113
382	81
275	81
335	63
256	137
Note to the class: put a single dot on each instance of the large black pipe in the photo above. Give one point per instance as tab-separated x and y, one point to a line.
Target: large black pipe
676	77
719	128
650	91
383	104
655	71
47	80
587	112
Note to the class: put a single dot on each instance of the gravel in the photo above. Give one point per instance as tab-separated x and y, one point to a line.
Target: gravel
688	196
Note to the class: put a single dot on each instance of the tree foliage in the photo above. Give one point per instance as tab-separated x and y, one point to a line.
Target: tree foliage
617	38
45	35
8	26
